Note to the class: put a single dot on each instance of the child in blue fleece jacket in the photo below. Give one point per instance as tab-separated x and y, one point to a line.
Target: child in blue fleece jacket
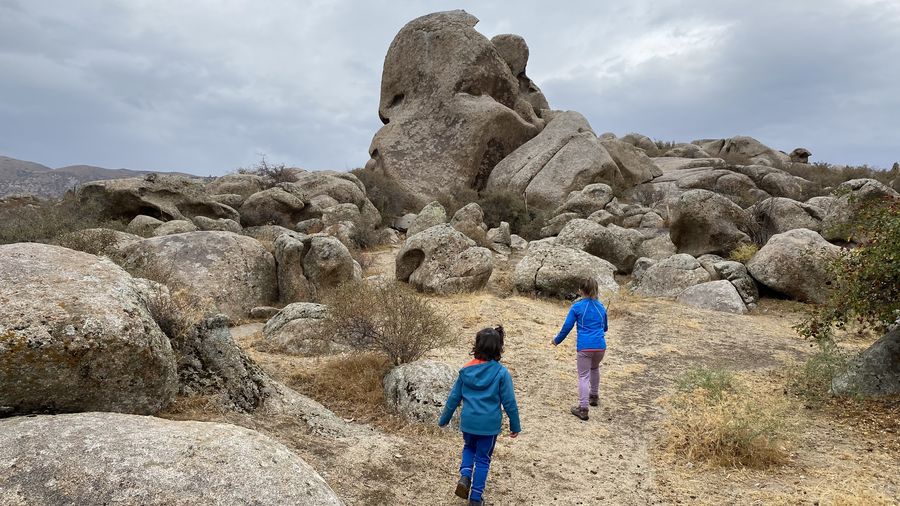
589	315
483	386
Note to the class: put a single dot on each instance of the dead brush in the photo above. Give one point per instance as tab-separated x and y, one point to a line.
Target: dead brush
349	384
725	427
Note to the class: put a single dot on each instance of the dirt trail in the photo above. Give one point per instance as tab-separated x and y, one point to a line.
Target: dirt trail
613	458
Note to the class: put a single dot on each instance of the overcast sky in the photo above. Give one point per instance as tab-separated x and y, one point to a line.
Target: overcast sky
206	86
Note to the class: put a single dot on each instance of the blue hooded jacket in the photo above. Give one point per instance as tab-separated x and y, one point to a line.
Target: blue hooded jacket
482	388
590	315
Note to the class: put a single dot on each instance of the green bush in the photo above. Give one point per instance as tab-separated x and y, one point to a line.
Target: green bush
866	290
812	380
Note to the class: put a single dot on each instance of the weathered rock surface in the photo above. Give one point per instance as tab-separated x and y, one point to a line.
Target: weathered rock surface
779	214
296	329
143	225
746	148
671	276
450	113
557	271
620	246
75	335
235	271
443	260
158	196
470	221
795	263
588	200
418	390
430	215
308	264
108	458
565	157
174	227
706	222
238	184
851	197
221	224
876	372
716	295
281	205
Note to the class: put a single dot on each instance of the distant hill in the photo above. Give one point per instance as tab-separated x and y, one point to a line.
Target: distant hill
24	177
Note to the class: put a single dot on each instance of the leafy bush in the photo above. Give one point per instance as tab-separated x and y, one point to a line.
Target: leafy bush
386	194
867	278
45	220
455	199
511	207
710	421
743	253
391	319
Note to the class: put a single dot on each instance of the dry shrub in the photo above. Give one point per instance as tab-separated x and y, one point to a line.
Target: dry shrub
351	384
716	382
719	425
391	319
365	260
273	173
454	199
743	253
175	308
95	242
827	175
45	220
811	380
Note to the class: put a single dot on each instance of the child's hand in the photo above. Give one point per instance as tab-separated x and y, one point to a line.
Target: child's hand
513	435
553	341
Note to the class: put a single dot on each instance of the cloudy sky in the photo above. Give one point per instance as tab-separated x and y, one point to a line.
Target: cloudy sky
207	86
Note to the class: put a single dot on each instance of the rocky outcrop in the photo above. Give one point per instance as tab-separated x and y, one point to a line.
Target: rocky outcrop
744	149
795	263
158	196
309	264
565	157
281	205
558	271
470	221
716	295
443	260
174	227
76	335
850	198
143	225
618	245
430	215
706	222
450	113
418	390
221	224
296	329
875	373
108	458
587	201
238	184
234	271
671	276
778	214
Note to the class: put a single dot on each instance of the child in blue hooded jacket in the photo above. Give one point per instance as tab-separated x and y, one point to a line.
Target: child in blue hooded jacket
589	315
483	386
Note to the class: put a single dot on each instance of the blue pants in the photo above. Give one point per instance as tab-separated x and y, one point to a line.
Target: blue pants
476	461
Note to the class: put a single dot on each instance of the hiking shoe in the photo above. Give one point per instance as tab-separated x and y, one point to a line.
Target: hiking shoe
463	486
594	400
580	412
477	503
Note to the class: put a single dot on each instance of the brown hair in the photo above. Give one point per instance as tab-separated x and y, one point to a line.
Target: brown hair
589	287
489	343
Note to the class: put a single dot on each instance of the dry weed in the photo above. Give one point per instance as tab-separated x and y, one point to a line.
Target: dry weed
730	429
349	384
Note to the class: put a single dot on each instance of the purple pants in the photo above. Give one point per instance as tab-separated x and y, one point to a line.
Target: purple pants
588	375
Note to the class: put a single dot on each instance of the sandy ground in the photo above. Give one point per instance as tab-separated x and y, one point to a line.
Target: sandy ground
616	457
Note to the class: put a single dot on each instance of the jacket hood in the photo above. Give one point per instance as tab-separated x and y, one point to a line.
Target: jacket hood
480	376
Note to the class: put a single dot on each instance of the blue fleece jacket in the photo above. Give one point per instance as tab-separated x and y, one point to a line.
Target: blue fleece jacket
590	315
482	388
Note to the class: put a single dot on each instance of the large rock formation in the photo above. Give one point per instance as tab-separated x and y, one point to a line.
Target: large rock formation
418	390
235	271
744	149
558	271
795	263
107	458
850	197
451	111
296	329
671	276
876	372
716	295
443	260
706	222
309	264
76	335
158	196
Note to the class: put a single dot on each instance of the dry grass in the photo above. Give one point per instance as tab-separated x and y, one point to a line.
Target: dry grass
713	422
743	253
350	385
45	220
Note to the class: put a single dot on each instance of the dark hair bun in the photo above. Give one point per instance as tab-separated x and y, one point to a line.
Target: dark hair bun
499	329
